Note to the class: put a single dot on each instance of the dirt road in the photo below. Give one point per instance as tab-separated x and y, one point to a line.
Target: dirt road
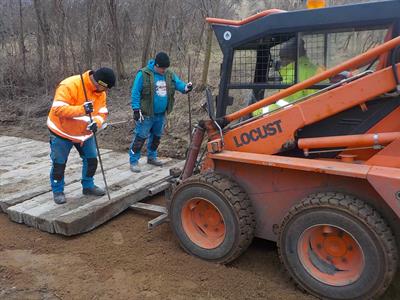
122	260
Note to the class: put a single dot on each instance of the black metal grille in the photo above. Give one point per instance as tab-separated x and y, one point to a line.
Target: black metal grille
274	60
314	45
257	63
244	64
283	60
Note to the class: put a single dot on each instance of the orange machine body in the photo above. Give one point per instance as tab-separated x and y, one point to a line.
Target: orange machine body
306	158
250	152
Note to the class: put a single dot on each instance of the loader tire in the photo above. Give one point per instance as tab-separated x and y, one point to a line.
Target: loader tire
336	246
212	217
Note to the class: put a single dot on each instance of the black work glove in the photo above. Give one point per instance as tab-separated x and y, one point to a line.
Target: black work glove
137	115
189	87
92	127
88	106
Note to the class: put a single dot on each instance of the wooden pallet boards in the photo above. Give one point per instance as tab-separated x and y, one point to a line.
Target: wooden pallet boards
26	196
23	183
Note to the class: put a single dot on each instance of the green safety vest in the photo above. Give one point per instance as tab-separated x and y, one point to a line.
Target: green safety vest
306	69
147	95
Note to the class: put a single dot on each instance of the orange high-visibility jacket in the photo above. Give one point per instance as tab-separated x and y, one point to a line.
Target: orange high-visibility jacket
67	116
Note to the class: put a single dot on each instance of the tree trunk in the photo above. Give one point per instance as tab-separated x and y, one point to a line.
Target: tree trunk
126	29
199	45
207	56
112	10
159	31
71	48
22	48
39	40
180	45
62	57
89	35
45	33
148	31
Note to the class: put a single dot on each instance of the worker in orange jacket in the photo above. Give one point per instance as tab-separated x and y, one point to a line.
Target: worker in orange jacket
70	125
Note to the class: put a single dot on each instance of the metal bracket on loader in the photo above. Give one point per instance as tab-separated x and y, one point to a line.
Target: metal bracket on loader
152	208
146	207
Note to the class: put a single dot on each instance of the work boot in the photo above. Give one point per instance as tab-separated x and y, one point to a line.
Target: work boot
154	162
59	198
135	168
95	191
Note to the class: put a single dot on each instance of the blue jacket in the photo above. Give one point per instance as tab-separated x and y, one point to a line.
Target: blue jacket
160	93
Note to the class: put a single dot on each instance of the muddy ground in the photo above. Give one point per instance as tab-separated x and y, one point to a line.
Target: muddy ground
121	259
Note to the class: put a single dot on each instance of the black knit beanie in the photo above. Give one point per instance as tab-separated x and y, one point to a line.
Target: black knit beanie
162	60
105	77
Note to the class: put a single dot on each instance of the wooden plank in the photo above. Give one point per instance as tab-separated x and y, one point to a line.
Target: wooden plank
45	208
41	168
25	172
24	149
95	213
119	161
30	156
12	161
26	163
16	194
28	181
26	196
21	197
83	213
6	141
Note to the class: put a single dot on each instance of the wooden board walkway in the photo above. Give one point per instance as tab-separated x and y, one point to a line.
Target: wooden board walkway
26	197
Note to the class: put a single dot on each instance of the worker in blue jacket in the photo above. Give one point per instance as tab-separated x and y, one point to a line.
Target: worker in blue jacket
152	99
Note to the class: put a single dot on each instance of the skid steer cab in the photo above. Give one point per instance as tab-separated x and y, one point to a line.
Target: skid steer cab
302	148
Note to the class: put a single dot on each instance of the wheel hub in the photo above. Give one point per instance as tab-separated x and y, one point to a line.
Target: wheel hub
335	246
203	223
331	255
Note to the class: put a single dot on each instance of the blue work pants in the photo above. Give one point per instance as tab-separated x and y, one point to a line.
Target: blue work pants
151	128
60	149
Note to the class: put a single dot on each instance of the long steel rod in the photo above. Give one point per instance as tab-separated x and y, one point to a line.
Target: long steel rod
95	139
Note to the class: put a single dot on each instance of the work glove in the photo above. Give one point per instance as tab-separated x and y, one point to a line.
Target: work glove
137	115
88	106
189	87
92	127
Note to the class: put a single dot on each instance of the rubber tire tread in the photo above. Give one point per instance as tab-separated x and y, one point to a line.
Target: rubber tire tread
358	209
239	201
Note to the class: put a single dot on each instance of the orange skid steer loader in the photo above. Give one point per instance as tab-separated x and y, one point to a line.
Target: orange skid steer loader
317	168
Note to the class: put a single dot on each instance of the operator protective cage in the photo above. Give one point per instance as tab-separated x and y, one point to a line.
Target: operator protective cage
251	51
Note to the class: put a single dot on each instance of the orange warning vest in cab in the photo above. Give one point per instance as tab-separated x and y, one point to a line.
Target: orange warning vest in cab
67	116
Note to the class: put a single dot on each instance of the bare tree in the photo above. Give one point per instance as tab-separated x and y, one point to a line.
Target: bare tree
208	8
43	42
45	39
61	35
89	36
22	48
39	41
112	10
148	31
71	48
